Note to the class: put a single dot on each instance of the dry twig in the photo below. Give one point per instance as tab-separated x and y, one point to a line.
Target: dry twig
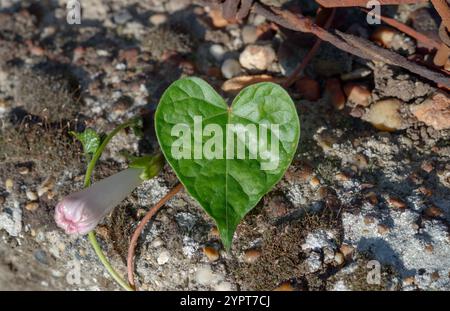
350	44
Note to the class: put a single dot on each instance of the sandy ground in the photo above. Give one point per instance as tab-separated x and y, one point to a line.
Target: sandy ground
359	208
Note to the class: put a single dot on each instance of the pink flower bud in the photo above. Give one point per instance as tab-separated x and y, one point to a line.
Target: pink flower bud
80	212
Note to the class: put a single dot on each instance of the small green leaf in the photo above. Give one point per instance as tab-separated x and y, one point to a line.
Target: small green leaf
151	165
89	139
226	187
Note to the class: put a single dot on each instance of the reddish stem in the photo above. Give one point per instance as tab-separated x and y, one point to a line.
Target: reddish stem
140	228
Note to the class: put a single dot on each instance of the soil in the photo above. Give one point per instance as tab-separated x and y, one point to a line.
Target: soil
354	194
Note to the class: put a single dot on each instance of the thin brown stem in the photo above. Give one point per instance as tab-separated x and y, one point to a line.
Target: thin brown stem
137	232
349	3
295	75
443	10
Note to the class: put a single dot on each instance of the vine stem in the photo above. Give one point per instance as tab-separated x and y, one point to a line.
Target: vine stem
87	182
101	256
140	228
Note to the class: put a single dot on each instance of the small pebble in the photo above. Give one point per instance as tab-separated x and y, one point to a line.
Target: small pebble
31	206
339	258
429	248
217	19
342	177
24	170
314	182
31	195
158	19
384	36
397	203
122	17
257	57
284	287
217	51
230	68
433	212
382	229
251	255
163	258
427	166
358	94
347	251
211	253
334	93
385	115
249	34
9	185
369	220
409	281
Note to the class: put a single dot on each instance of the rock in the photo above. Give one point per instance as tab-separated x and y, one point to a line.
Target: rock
163	257
339	258
41	256
347	251
249	34
314	182
158	19
211	253
382	229
434	111
230	68
252	255
234	85
433	212
217	19
31	195
384	36
217	51
396	202
122	17
427	166
9	185
308	88
358	94
2	200
257	57
23	170
284	287
31	206
385	115
334	94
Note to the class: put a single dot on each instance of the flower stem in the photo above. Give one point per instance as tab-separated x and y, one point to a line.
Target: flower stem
105	262
87	182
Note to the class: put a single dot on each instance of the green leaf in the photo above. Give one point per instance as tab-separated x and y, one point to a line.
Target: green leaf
151	165
89	139
227	188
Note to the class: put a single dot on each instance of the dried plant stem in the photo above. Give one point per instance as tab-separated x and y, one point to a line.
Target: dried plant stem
140	228
297	71
443	10
349	3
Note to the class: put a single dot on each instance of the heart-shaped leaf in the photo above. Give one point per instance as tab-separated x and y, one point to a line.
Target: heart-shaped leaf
227	157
